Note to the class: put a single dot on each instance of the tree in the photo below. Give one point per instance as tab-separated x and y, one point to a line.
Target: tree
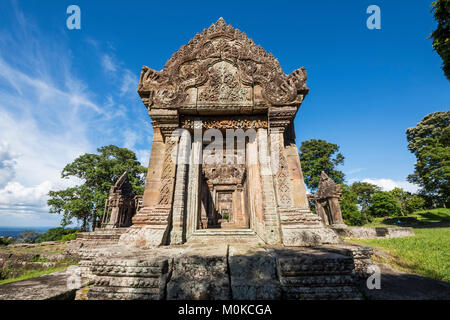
402	198
349	208
98	172
28	236
56	234
441	36
429	141
384	204
415	203
77	202
317	156
364	192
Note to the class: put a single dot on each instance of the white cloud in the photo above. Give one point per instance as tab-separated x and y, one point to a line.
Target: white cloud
143	156
389	184
129	82
108	64
49	116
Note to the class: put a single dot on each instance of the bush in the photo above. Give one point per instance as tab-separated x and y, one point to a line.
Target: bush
384	204
350	213
69	237
4	241
28	236
414	204
56	234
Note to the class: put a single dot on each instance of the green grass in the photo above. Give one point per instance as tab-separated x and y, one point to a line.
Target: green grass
427	253
38	249
425	219
32	274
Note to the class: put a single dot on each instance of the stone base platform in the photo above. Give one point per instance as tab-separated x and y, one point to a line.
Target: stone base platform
373	232
225	271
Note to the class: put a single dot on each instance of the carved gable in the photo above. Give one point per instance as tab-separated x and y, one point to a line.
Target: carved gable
222	70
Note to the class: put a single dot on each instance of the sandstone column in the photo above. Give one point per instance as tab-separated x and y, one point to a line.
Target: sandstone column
271	222
194	187
177	235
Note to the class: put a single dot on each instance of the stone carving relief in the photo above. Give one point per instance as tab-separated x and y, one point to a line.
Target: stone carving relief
167	175
232	122
224	174
229	63
282	179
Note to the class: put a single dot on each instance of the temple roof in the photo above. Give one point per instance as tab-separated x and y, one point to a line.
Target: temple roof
221	66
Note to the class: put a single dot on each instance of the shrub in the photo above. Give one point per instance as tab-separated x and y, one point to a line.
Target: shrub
70	236
4	241
384	204
415	203
56	234
350	213
28	236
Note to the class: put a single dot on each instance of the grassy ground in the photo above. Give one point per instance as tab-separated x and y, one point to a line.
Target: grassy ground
39	249
427	253
425	219
32	262
33	274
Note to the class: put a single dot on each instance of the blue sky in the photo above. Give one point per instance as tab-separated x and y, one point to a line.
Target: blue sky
66	92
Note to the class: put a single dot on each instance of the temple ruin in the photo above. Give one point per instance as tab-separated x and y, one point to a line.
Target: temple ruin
222	83
326	201
224	213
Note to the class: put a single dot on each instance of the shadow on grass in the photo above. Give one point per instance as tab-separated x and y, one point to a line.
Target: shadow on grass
427	219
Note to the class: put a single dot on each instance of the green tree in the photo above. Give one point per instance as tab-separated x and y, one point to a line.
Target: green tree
98	172
384	204
441	36
56	234
28	236
349	209
415	203
402	198
317	156
364	192
429	141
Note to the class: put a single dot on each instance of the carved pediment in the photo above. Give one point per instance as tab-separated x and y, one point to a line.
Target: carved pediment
221	66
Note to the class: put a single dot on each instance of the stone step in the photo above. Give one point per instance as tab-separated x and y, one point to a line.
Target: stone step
225	236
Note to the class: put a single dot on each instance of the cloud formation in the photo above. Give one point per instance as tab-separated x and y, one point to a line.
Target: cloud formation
50	116
389	184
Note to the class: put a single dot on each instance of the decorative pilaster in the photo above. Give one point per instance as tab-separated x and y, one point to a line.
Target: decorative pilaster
177	235
271	221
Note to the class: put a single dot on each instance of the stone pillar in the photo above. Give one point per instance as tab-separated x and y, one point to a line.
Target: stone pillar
300	199
194	187
271	221
321	212
153	181
255	199
177	235
335	209
151	225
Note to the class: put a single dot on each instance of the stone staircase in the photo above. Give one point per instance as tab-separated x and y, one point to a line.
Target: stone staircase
208	236
100	237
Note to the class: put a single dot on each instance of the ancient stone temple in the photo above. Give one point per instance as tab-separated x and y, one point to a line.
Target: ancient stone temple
120	206
222	85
